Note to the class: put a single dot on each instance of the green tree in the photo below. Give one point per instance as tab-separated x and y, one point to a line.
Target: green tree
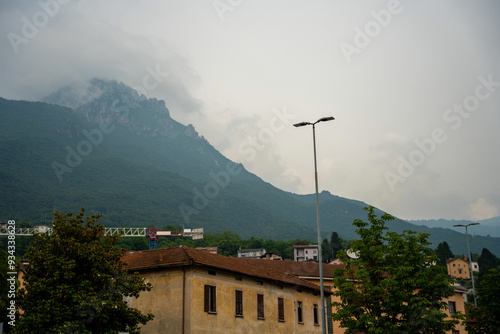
326	251
336	244
486	317
486	262
76	283
228	243
443	253
392	287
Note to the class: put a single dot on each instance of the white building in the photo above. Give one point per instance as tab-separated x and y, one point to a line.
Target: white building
475	266
251	253
305	252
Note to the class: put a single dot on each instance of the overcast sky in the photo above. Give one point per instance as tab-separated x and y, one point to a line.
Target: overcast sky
414	86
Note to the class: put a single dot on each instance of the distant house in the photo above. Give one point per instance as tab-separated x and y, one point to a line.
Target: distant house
252	253
197	292
336	261
475	266
212	250
271	256
305	253
458	268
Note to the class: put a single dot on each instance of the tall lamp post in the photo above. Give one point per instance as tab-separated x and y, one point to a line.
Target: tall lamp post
320	255
470	259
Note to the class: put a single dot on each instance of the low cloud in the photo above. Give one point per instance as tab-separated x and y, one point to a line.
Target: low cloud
72	47
481	209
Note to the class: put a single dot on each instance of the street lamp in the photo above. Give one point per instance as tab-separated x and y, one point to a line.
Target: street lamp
320	256
470	259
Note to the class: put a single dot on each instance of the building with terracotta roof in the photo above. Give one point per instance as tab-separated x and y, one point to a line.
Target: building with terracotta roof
198	292
310	272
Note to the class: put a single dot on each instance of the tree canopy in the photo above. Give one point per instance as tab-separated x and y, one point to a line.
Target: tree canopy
443	253
75	282
393	286
486	317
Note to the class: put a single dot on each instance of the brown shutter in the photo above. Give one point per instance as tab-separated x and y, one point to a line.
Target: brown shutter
207	297
214	299
281	309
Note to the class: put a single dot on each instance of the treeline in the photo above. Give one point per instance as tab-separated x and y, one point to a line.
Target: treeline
228	243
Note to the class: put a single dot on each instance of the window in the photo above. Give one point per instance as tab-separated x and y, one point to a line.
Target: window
455	332
281	309
260	306
453	307
299	313
210	299
238	299
453	264
316	322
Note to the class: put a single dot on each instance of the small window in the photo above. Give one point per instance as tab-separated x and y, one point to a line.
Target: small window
238	303
316	321
260	306
453	264
453	307
299	313
281	309
210	299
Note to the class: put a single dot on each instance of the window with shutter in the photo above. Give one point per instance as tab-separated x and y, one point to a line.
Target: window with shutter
260	306
281	309
238	303
210	299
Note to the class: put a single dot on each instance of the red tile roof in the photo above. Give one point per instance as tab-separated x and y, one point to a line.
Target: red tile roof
297	268
186	256
456	258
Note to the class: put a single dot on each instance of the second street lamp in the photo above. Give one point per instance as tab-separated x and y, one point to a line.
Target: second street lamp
470	260
320	255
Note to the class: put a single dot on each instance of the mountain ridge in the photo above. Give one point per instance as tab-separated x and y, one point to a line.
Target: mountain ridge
122	155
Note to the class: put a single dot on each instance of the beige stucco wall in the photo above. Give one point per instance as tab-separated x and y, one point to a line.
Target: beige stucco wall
165	302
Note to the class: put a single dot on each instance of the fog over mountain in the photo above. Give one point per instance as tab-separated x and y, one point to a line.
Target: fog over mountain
413	86
105	147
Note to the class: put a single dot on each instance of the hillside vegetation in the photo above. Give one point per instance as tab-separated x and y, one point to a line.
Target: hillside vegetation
124	157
